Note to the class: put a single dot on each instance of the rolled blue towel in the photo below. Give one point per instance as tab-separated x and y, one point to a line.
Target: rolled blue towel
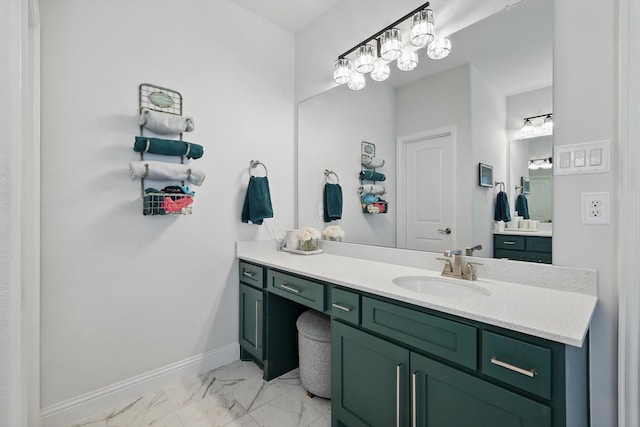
168	147
370	198
501	212
257	201
332	201
370	175
522	206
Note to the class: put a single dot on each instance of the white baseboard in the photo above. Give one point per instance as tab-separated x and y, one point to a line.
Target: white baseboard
64	413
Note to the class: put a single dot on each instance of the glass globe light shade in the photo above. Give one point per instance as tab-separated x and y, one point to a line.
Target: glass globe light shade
380	71
422	28
408	61
357	81
547	124
391	47
342	71
439	48
527	128
365	59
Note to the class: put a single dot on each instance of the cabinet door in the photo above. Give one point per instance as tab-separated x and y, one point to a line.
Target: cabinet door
445	397
369	380
251	320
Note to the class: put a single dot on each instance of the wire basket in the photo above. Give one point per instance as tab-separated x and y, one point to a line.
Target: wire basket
157	203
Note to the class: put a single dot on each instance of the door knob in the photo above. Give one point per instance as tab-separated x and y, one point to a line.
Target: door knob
445	231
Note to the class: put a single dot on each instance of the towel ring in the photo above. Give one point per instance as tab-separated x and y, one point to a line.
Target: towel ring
328	172
501	184
254	164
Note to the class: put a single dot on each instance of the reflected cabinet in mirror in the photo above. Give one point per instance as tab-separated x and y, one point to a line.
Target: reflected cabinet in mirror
433	126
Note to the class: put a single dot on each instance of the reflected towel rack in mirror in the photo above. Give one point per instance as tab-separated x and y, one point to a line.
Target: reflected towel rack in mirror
254	164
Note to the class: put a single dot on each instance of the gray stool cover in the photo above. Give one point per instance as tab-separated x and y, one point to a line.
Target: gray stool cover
314	346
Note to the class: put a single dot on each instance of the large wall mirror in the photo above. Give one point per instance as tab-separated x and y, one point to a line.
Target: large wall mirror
433	126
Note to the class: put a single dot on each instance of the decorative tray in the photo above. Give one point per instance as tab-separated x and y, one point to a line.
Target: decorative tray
298	251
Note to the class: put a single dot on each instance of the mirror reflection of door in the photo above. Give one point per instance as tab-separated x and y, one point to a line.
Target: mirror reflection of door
426	182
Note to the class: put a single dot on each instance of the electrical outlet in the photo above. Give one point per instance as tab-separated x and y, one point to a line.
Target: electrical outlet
595	208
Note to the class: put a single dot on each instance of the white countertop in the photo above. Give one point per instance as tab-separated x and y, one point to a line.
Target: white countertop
556	315
524	232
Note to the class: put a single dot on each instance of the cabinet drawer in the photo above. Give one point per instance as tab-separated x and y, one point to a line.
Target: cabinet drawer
345	305
514	243
305	292
539	244
251	274
518	363
450	340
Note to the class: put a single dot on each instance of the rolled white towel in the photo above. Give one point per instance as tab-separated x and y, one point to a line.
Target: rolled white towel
166	171
373	162
371	189
165	123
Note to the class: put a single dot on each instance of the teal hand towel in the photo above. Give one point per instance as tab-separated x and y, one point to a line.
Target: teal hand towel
501	212
370	175
332	201
168	147
257	201
522	206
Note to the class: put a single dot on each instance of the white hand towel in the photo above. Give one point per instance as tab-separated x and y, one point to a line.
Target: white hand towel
166	171
371	189
373	162
165	123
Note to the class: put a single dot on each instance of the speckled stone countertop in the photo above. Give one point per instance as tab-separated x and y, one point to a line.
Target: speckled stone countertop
559	314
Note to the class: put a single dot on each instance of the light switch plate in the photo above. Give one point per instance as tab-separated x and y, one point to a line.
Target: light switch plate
588	157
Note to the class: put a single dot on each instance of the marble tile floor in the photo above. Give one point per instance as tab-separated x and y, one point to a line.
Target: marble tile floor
233	395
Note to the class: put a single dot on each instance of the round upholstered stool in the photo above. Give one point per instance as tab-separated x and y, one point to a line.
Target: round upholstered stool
314	347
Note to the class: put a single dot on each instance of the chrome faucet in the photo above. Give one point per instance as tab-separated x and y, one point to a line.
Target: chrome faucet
458	269
469	251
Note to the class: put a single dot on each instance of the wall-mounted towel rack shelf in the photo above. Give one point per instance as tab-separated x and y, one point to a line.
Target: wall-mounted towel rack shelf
371	203
173	199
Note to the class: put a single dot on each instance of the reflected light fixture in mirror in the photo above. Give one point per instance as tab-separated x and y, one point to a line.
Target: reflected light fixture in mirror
546	127
390	47
536	164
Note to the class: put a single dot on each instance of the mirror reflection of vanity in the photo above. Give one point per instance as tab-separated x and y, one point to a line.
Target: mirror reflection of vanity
497	72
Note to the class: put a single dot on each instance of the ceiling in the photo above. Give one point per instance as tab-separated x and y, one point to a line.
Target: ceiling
292	15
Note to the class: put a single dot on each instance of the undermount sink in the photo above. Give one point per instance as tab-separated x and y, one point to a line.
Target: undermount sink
440	286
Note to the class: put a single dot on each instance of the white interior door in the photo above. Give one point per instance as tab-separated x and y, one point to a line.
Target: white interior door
426	183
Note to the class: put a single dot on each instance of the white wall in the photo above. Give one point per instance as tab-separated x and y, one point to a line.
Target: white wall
123	294
434	103
584	103
489	146
331	127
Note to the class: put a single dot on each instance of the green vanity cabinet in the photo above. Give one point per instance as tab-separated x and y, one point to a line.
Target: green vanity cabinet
442	396
395	364
369	385
251	322
376	383
522	248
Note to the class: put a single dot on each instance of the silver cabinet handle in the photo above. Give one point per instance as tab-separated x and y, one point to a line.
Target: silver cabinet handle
398	369
445	231
341	307
508	242
248	274
529	373
414	402
257	315
290	289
